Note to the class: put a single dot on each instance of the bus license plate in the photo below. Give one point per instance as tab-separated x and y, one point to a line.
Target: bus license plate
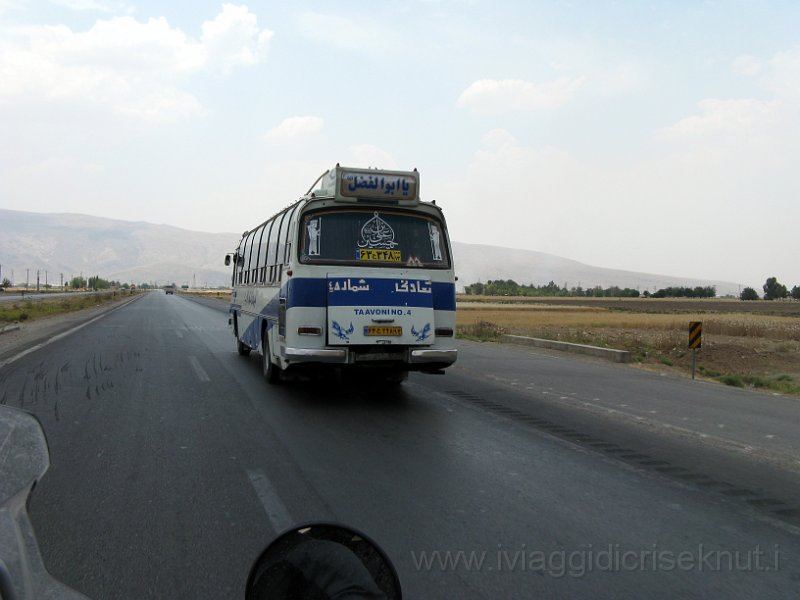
382	330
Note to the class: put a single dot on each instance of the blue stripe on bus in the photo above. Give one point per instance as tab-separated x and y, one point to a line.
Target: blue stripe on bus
313	292
370	291
444	295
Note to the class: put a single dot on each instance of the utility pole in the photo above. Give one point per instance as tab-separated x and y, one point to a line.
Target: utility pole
45	280
62	282
27	277
37	280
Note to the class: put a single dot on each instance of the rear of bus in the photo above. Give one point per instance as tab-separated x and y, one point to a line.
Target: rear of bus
374	285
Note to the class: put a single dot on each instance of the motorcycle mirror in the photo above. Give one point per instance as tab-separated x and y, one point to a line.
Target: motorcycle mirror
24	459
323	561
24	456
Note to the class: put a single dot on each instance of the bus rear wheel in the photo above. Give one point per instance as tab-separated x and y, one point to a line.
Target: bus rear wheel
242	348
272	373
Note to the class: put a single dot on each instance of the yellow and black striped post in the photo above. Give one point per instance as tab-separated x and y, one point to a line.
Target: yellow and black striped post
695	334
695	340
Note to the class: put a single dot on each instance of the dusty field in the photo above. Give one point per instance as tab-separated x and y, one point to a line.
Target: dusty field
651	305
759	347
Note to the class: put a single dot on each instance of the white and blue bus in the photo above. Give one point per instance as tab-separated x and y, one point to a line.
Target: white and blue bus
357	274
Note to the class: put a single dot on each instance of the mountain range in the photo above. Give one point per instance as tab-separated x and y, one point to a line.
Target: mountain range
127	251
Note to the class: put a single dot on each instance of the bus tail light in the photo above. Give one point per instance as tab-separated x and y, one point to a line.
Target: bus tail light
444	332
309	331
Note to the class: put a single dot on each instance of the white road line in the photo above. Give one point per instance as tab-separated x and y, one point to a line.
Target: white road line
198	369
279	517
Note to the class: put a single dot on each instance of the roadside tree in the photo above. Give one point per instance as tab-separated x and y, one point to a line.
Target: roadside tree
748	293
773	290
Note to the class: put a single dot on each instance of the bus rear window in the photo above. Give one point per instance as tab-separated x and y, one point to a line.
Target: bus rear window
373	238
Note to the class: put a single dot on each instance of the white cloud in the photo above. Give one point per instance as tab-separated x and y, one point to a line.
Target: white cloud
720	117
160	104
293	127
496	139
233	38
781	75
756	118
504	95
747	65
361	35
131	67
752	135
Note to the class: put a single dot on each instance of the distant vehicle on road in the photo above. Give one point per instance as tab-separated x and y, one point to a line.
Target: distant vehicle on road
357	274
170	289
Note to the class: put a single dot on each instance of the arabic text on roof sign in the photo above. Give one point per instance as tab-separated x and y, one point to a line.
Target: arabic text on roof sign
378	186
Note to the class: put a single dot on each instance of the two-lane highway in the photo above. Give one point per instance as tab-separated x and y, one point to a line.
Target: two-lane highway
516	475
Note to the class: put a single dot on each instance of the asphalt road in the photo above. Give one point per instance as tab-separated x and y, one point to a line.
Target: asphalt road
174	464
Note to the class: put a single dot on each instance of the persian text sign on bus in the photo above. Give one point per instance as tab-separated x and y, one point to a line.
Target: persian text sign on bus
348	184
378	186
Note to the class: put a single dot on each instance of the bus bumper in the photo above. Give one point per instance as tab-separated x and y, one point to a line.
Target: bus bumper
326	355
315	355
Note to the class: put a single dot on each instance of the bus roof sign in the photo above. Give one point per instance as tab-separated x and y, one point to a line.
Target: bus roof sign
346	184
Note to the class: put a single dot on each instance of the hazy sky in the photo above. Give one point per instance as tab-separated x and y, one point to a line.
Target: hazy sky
661	137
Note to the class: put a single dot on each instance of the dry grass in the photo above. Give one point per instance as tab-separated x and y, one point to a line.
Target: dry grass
526	317
25	310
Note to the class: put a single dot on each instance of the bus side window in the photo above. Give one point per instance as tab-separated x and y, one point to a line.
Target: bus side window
236	265
288	240
257	255
280	240
283	242
252	256
240	260
248	249
264	251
